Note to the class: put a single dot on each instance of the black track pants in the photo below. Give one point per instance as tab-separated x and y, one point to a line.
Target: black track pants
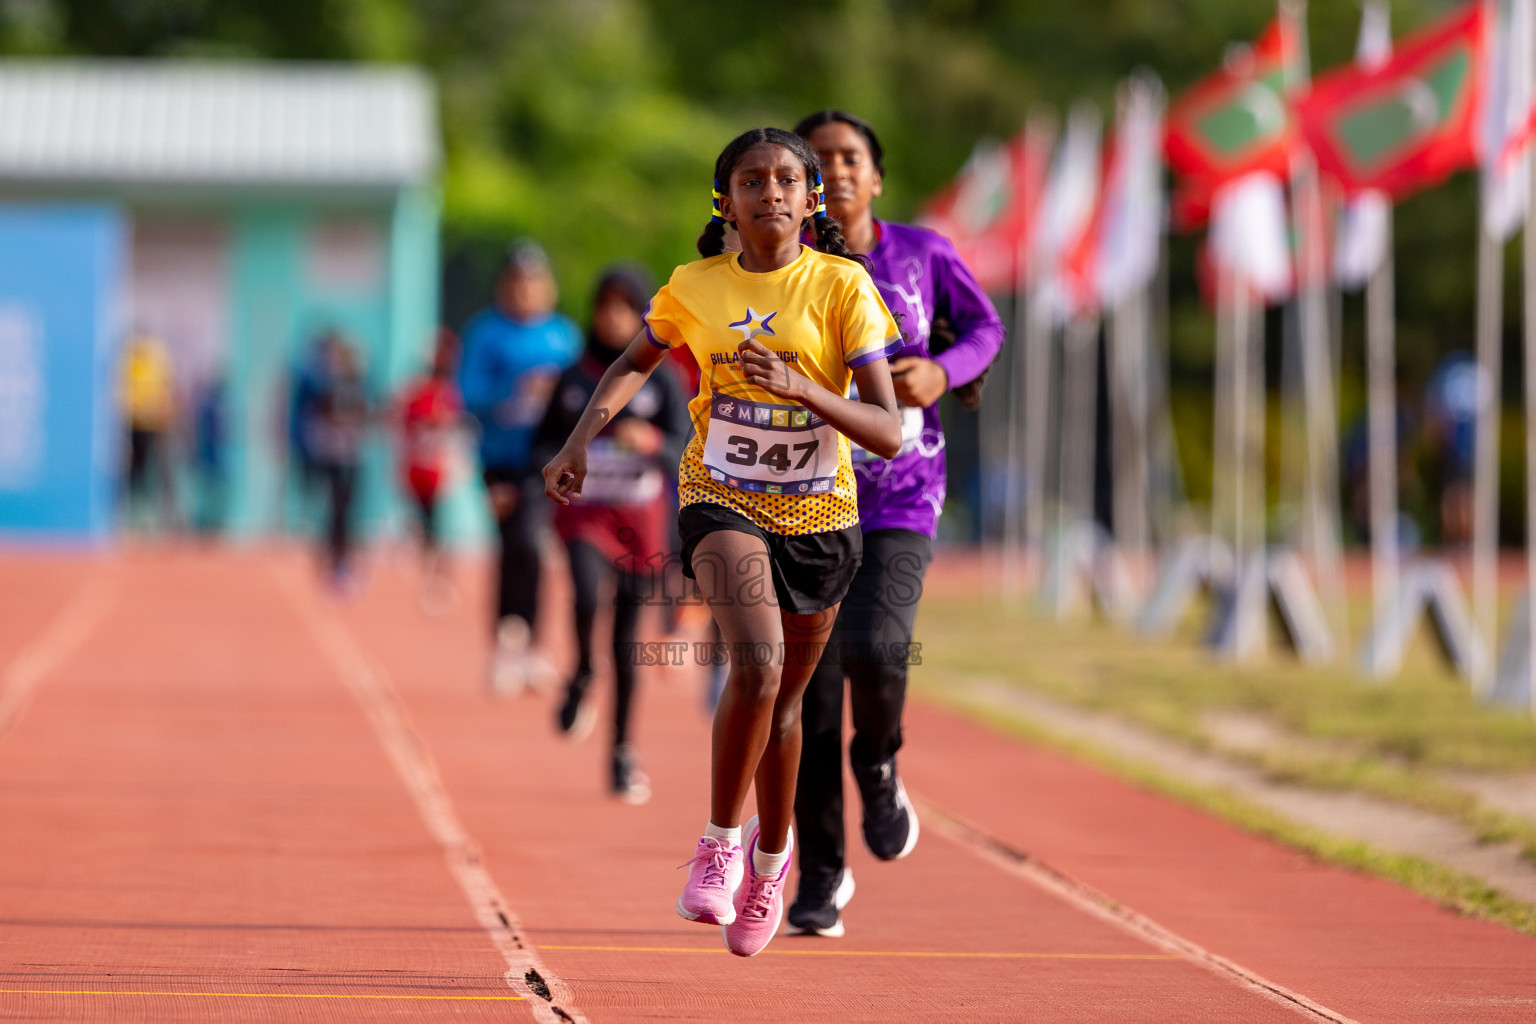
868	646
590	569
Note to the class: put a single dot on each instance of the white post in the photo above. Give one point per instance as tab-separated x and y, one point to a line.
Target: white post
1080	389
1319	397
1034	363
1014	381
1529	311
1039	372
1254	431
1382	398
1222	423
1320	404
1485	477
1242	437
1129	397
991	421
1170	498
1077	419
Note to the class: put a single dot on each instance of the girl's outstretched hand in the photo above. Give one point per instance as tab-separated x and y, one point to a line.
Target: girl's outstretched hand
565	473
766	370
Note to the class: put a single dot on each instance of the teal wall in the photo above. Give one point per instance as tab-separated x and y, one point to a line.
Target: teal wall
277	306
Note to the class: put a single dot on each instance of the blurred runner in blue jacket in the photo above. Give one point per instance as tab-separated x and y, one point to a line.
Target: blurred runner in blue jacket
514	352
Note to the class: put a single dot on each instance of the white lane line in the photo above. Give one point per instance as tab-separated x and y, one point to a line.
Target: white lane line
51	648
548	996
1085	897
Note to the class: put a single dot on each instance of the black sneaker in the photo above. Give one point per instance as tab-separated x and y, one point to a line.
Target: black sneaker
630	784
890	823
819	903
576	715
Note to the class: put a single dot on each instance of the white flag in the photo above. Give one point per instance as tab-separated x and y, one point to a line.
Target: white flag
1129	241
1362	241
1066	210
1506	157
1249	233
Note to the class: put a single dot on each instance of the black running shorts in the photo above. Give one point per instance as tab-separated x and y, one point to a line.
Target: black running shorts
811	572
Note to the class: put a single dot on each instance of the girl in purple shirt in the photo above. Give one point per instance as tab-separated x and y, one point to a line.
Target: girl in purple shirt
921	278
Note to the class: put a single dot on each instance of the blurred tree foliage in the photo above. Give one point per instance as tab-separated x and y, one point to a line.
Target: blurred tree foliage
593	124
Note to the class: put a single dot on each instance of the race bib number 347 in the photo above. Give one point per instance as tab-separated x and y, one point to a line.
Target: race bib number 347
773	449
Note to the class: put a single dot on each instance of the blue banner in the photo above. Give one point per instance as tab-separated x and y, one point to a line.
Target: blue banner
61	286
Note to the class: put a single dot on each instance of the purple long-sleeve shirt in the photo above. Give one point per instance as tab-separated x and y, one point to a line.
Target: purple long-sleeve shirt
920	276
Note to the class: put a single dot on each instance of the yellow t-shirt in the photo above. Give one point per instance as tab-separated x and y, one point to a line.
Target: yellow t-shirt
146	384
770	460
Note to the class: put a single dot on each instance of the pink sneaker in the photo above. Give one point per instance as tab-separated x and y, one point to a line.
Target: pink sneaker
714	875
759	902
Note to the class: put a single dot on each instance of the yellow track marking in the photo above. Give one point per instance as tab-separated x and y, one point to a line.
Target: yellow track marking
253	995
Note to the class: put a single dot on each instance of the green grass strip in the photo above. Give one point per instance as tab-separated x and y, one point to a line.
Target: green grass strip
1451	889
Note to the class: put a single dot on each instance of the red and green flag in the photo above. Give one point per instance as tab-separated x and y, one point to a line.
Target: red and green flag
987	209
1236	120
1409	123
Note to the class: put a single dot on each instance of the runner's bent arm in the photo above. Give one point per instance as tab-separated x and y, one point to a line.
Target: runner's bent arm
564	474
871	421
979	331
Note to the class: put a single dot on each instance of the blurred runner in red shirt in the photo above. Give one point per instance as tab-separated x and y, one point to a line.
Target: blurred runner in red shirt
430	412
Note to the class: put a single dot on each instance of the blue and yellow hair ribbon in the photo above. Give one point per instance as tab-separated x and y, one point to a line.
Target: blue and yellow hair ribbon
820	190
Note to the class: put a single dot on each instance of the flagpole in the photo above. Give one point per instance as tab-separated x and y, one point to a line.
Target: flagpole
1320	367
1222	423
1025	391
1172	497
1039	371
1508	96
1320	413
1013	407
1258	479
1241	440
1529	312
1126	352
1079	411
1319	400
1040	131
1249	488
989	418
1485	493
1129	388
1382	414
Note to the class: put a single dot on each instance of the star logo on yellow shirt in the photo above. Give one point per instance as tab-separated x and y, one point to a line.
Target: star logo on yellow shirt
754	324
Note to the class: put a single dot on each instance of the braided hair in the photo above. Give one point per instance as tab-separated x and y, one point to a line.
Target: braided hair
826	231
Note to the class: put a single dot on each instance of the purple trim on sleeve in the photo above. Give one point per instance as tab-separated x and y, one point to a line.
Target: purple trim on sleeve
650	335
890	349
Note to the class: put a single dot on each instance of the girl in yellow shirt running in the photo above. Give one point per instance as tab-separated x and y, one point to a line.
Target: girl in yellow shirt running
769	517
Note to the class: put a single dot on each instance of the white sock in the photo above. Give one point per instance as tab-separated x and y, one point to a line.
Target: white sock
769	865
729	835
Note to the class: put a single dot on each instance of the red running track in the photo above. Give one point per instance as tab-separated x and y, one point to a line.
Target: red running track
225	797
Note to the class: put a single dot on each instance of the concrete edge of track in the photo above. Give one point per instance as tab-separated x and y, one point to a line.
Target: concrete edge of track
1105	907
546	994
